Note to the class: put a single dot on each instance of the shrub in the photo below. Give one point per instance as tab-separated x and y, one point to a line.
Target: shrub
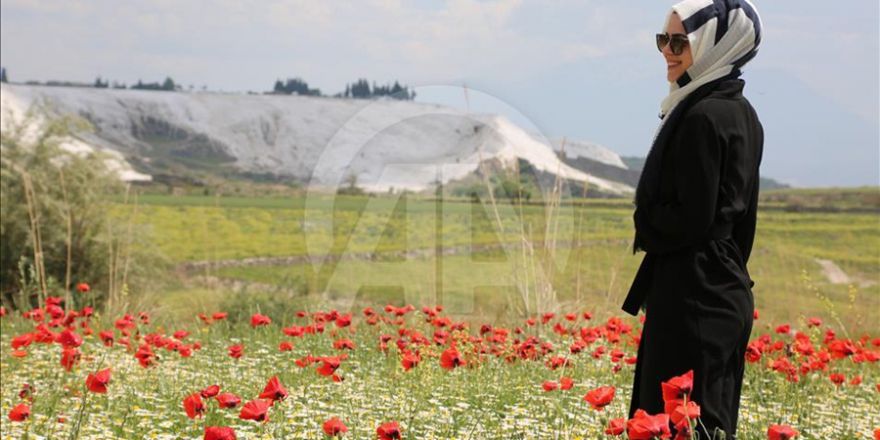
56	228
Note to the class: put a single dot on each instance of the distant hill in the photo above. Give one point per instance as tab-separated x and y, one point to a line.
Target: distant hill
382	144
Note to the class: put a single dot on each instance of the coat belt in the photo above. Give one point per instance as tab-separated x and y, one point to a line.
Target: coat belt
641	284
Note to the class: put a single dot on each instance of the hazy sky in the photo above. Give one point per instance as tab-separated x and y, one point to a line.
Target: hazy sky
582	69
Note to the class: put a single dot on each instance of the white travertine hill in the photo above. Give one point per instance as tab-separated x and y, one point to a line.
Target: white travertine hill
589	150
384	143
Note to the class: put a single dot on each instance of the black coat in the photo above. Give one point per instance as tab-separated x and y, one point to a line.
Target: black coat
698	232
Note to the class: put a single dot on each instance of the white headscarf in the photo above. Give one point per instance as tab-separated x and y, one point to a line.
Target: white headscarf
723	35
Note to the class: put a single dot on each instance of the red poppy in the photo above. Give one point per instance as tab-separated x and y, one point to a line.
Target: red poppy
329	365
217	316
2	311
256	410
679	413
646	427
346	344
97	383
781	432
69	358
107	337
388	431
235	351
294	331
219	433
678	387
194	406
145	355
20	413
841	348
343	320
22	341
559	361
334	426
185	350
43	335
753	352
285	346
451	358
600	397
83	288
616	426
410	359
228	400
210	391
260	320
274	390
566	383
837	378
69	339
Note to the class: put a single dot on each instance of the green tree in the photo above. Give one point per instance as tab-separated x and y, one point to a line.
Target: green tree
168	84
58	226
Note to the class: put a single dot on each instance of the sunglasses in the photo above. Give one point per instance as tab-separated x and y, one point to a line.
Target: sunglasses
676	42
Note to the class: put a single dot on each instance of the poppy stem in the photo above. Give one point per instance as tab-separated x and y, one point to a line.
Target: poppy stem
82	409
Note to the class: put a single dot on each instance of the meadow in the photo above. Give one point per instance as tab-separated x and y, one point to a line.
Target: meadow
515	332
360	251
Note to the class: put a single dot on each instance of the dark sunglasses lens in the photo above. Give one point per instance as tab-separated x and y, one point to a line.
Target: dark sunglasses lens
677	45
662	40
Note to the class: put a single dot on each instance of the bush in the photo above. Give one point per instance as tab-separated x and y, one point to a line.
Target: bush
56	228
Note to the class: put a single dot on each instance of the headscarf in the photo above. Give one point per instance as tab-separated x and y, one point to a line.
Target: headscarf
723	36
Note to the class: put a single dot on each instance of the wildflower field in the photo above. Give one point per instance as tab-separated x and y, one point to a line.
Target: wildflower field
258	339
398	372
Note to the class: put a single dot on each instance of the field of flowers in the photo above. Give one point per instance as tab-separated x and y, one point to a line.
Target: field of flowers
401	372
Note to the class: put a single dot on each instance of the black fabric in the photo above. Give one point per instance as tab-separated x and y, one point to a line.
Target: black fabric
649	179
697	226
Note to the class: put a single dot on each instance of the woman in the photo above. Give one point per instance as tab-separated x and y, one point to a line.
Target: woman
695	216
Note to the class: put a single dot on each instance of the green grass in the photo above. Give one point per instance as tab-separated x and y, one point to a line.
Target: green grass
593	264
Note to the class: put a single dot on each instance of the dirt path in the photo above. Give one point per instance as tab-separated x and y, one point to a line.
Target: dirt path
835	275
833	272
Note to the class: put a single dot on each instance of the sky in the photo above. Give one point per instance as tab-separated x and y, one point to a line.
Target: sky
579	69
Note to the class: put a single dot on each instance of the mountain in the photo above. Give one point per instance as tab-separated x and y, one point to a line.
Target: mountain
383	144
597	160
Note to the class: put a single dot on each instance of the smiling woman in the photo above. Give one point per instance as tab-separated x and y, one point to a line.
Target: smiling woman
695	217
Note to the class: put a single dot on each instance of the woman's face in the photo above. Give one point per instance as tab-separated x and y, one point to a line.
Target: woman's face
676	65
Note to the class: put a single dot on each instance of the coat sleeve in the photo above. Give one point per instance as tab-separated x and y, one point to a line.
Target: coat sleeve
697	153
